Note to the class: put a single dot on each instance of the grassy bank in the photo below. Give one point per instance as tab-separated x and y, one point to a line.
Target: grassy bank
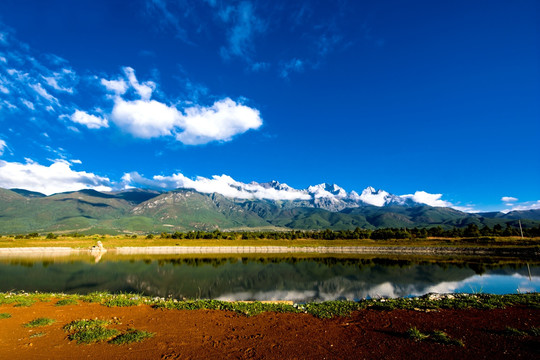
111	242
326	309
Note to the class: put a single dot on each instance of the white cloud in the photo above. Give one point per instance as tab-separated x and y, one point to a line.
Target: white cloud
509	199
28	104
145	119
224	185
529	205
43	93
42	83
435	200
428	199
88	120
55	178
2	147
53	81
195	125
145	89
375	198
221	121
117	86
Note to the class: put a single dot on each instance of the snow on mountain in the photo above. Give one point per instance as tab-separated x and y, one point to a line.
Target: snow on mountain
374	197
326	196
327	191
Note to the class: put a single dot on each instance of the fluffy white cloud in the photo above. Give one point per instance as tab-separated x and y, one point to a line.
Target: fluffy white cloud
375	198
2	147
55	178
423	197
88	120
145	119
508	199
224	185
194	125
221	121
117	86
145	89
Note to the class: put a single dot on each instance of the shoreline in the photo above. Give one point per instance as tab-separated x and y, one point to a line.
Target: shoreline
531	253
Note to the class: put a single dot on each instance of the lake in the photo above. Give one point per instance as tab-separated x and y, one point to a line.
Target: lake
300	279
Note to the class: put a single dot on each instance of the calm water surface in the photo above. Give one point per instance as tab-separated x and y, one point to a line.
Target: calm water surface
236	278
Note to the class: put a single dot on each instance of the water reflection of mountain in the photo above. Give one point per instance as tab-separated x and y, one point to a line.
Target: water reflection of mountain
251	278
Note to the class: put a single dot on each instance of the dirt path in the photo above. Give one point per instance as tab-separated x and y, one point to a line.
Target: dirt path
208	334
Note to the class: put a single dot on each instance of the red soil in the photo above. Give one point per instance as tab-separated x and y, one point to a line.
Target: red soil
208	334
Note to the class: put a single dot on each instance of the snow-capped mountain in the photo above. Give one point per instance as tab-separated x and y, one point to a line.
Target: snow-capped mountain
325	196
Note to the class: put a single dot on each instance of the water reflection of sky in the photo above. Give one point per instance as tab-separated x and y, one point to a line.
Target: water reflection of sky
299	280
488	284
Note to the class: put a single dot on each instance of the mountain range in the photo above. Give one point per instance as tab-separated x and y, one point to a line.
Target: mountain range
254	206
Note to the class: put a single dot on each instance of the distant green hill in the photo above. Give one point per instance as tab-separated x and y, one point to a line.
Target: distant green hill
144	211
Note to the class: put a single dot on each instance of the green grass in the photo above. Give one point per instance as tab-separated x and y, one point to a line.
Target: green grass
25	302
39	334
325	309
131	336
441	337
117	300
123	301
84	324
68	301
89	331
23	299
437	336
5	315
244	308
416	335
93	335
533	331
39	322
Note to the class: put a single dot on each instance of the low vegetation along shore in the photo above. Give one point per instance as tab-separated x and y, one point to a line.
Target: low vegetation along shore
255	239
133	326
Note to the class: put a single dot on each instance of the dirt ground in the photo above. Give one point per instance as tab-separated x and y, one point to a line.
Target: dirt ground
209	334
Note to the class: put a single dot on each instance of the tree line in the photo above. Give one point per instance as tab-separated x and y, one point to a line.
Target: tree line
470	231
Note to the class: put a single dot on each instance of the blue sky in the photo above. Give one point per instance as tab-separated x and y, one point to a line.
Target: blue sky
402	96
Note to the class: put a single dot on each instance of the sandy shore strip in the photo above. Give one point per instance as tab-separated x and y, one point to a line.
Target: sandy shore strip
183	250
180	250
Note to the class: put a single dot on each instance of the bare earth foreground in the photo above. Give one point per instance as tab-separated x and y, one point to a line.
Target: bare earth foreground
213	334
